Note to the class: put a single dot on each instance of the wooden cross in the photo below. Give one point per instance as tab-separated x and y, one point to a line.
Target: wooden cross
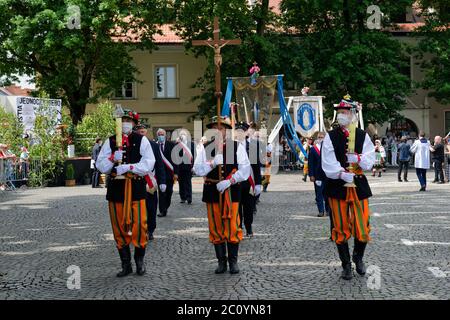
217	44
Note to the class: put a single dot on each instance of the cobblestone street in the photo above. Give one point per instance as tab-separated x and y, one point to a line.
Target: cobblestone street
44	231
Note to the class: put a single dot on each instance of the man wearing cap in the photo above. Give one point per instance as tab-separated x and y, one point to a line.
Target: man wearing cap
223	218
154	179
250	188
349	206
127	165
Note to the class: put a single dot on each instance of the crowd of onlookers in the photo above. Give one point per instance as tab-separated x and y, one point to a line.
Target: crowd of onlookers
401	151
11	166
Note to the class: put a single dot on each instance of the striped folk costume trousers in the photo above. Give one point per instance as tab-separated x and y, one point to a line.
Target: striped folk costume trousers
138	236
350	218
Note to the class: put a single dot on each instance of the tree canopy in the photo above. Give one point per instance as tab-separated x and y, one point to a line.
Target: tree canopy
66	51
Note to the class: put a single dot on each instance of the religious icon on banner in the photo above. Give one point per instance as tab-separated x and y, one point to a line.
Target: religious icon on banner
308	115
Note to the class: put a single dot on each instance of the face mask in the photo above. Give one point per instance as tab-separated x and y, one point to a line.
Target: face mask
161	139
319	141
343	119
127	127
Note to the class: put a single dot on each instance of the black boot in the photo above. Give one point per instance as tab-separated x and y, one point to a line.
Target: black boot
233	249
358	254
344	255
125	257
139	254
221	254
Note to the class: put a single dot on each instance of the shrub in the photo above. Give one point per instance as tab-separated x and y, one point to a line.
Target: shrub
100	123
70	172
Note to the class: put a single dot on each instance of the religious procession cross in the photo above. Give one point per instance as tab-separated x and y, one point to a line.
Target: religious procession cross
217	44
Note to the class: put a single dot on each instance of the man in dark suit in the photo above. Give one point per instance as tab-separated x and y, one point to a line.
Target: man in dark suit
250	188
186	154
171	171
96	173
317	176
154	179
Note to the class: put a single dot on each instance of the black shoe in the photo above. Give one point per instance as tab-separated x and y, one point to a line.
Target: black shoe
321	215
379	175
189	201
183	201
406	180
233	249
139	254
221	254
162	214
422	189
150	237
441	182
358	254
344	255
434	181
400	180
125	257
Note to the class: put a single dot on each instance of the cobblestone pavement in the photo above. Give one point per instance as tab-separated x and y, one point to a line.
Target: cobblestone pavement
44	231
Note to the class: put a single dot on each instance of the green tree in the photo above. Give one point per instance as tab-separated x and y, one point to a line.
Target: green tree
41	38
347	57
257	27
436	44
11	131
97	124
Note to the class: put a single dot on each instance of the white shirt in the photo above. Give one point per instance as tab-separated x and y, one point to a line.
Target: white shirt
202	166
333	168
422	151
143	167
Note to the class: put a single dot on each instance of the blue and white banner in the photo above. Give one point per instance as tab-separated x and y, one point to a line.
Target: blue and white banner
307	115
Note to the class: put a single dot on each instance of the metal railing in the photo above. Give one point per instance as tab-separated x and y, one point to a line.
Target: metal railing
14	172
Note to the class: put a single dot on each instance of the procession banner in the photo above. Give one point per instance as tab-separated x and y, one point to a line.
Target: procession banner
307	115
27	108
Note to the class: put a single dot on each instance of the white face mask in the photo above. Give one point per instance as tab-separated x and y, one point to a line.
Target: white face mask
127	127
343	119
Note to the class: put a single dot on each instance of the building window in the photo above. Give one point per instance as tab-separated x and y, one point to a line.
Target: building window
126	91
403	127
447	122
166	82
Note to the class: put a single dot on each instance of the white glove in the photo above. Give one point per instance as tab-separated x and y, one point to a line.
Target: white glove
318	183
257	190
347	176
223	185
123	168
352	158
162	187
218	160
118	155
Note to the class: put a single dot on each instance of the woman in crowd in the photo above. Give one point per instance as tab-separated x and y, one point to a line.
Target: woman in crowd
380	156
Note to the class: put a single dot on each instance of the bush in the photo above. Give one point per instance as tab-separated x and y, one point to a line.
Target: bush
70	172
11	131
98	124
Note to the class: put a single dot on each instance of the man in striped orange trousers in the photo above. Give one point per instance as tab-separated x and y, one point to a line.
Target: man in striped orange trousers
224	164
347	187
127	164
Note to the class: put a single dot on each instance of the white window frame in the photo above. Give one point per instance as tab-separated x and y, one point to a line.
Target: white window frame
133	89
177	87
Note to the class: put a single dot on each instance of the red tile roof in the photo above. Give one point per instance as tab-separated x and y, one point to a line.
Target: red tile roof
17	91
